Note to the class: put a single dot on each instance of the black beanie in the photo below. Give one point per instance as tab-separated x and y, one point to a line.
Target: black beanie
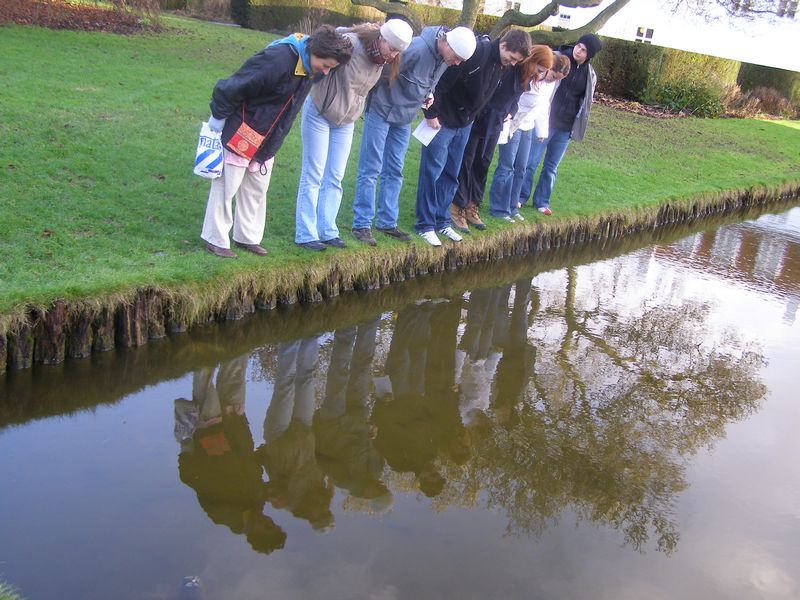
592	43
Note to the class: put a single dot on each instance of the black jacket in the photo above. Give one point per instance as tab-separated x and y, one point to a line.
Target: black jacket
569	94
465	89
504	101
269	88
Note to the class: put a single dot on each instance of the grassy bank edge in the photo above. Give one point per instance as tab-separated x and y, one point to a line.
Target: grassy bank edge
200	302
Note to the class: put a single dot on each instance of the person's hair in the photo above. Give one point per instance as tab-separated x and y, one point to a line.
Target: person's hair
326	42
370	32
561	64
517	40
540	56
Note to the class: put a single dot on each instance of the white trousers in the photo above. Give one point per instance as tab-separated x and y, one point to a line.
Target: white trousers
250	190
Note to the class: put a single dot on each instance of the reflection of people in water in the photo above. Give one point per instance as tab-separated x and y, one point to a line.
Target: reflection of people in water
512	369
217	458
421	419
296	481
478	355
345	448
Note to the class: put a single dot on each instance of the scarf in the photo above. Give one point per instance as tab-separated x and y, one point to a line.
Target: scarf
299	42
373	50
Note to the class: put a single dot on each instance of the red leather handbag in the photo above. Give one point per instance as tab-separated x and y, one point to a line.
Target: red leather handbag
246	141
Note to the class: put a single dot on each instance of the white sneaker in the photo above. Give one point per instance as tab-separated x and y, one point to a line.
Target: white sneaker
451	234
518	217
508	219
430	237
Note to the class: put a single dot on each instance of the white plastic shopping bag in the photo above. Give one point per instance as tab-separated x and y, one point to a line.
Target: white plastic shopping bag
208	160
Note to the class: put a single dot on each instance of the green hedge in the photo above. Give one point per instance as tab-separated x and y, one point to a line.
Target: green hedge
624	68
283	15
785	82
655	75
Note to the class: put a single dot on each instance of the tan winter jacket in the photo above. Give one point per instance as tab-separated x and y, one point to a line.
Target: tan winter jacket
340	96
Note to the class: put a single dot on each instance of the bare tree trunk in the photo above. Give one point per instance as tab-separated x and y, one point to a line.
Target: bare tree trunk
393	8
470	9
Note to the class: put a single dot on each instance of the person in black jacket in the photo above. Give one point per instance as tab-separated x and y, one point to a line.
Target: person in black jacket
460	95
265	94
569	114
484	136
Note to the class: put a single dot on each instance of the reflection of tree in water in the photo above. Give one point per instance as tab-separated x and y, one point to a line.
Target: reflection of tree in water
605	415
544	399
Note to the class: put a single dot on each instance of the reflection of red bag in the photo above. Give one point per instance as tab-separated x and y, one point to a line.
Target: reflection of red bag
246	141
215	444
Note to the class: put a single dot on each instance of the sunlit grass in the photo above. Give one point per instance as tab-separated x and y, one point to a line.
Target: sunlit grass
98	198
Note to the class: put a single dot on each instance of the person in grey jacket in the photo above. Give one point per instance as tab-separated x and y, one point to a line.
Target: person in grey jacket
569	114
391	107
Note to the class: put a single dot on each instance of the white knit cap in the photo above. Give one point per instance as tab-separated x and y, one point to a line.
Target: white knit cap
462	41
397	33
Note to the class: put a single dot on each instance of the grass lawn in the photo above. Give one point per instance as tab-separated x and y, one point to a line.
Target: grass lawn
97	196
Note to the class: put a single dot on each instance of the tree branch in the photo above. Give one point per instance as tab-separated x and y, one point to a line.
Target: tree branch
515	17
557	38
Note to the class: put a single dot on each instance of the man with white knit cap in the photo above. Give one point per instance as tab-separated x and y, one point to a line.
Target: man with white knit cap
391	108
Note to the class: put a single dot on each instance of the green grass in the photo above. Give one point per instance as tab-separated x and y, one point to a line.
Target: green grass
97	196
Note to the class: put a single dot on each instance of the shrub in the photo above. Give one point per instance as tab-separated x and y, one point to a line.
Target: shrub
239	11
688	96
736	103
625	69
787	83
313	18
773	102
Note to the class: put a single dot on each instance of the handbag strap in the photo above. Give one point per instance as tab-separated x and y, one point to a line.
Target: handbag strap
275	122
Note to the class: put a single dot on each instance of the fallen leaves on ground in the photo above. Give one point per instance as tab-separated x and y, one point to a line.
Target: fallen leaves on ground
55	14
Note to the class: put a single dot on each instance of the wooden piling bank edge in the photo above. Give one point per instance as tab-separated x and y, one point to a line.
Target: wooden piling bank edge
48	335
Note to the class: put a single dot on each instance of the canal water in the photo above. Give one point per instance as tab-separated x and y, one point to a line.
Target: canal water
617	421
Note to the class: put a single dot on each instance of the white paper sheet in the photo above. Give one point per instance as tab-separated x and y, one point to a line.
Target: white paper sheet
424	132
505	133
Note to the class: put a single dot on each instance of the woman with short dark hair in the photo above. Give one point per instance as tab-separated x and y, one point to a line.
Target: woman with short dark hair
254	110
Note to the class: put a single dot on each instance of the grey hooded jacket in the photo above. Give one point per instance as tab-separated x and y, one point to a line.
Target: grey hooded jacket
421	67
582	118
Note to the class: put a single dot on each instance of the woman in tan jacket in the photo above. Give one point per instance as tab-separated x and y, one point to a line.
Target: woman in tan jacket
326	128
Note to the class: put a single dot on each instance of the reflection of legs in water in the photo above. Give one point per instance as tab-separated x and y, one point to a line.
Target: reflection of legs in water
230	385
293	391
350	368
511	370
205	394
477	338
405	363
361	365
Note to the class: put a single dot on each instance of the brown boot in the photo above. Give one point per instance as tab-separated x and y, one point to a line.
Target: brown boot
458	216
473	217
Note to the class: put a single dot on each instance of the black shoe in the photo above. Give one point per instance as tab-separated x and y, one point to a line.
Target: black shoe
315	246
335	242
363	234
396	234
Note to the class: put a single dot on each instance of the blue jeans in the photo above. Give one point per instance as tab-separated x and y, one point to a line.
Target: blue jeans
534	156
383	151
507	180
556	147
319	193
439	165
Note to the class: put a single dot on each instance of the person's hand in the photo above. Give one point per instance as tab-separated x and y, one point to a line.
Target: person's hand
428	102
433	123
540	139
215	124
